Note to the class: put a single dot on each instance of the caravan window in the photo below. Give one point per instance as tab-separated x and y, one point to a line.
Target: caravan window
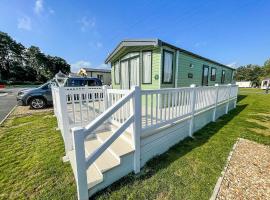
223	76
147	67
167	75
116	73
213	74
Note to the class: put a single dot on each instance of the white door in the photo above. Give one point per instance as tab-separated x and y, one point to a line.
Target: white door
130	73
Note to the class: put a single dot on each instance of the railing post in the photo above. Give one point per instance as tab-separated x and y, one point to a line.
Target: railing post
64	120
54	101
79	157
216	103
228	100
105	96
137	127
235	101
193	103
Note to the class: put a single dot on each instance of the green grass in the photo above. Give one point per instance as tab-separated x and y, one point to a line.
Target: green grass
31	151
30	160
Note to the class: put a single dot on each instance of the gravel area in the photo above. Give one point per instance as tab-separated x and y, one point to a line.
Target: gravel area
26	110
248	173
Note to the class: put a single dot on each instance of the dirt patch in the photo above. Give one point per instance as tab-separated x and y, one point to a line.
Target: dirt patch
248	172
26	110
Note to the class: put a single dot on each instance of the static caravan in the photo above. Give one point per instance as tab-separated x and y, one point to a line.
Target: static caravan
244	84
154	64
265	83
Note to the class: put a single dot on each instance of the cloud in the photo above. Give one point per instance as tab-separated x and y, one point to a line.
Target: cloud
83	63
200	44
99	45
51	11
233	64
24	23
87	23
104	66
38	6
79	64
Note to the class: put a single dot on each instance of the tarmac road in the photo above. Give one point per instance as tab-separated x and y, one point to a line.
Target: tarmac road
7	101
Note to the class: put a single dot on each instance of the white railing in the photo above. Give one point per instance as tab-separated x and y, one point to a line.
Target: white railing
113	95
165	106
161	107
140	111
76	106
84	104
82	161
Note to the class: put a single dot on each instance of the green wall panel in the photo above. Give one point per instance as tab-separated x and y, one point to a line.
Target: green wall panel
184	61
184	68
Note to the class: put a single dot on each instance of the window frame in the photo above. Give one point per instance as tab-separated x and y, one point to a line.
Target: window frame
205	66
99	76
215	76
223	79
117	83
150	67
163	61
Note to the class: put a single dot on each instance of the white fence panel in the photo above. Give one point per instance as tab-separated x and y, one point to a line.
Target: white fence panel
120	116
84	104
161	107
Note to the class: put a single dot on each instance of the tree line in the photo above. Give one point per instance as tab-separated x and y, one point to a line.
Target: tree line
253	73
19	64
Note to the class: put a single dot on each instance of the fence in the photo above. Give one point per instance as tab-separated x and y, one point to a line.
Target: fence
76	106
138	111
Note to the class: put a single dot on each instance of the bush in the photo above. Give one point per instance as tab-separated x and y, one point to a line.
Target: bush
23	83
3	82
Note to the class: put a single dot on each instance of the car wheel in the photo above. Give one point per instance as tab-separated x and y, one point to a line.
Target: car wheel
37	103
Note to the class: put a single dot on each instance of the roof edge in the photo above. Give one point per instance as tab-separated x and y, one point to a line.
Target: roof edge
157	42
132	42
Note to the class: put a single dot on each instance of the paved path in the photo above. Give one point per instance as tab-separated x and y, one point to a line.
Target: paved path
7	101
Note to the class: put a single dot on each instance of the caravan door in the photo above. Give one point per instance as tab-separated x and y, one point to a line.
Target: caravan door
130	73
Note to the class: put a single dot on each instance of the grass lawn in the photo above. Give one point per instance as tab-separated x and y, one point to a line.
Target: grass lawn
31	151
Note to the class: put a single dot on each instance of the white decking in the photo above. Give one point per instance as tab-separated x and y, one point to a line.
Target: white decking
118	131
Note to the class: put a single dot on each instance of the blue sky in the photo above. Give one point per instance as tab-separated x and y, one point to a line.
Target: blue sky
233	32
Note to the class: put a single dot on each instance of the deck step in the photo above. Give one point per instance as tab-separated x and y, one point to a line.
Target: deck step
94	176
106	161
126	135
120	147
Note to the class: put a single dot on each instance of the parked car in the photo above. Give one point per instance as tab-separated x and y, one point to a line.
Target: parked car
41	97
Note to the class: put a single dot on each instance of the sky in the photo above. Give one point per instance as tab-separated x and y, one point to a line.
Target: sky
84	32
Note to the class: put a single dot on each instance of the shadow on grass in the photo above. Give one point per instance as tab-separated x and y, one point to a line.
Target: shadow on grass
175	152
240	97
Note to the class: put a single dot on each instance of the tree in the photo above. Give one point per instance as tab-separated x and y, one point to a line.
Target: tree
253	73
18	63
56	64
266	66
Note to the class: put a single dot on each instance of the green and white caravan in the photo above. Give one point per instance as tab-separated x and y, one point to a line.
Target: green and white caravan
155	64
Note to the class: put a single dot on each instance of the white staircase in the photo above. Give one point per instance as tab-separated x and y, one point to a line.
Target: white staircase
114	163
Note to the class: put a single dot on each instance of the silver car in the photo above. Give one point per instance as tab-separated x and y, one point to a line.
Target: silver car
37	98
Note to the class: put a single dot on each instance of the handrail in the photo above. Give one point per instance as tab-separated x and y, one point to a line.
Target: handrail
117	91
105	115
91	158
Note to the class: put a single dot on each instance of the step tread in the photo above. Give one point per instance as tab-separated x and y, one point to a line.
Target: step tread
119	146
106	161
127	134
94	177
